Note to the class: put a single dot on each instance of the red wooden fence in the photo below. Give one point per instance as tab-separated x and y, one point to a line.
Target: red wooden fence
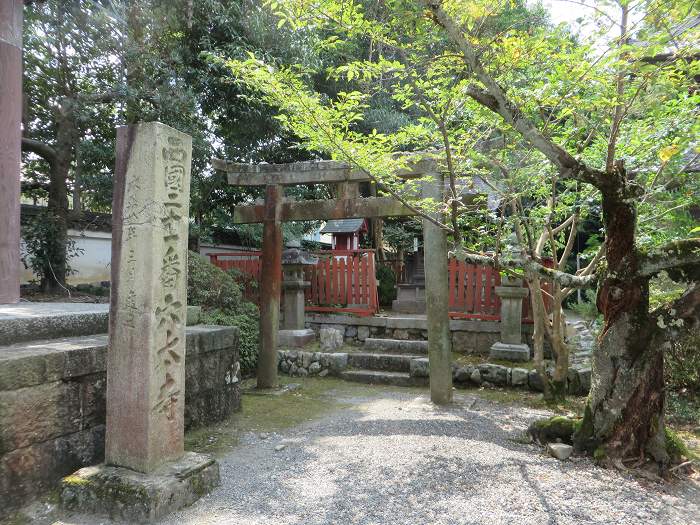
342	281
345	281
472	294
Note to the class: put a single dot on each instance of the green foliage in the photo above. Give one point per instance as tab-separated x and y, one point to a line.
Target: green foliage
246	318
217	292
386	285
209	286
587	307
44	245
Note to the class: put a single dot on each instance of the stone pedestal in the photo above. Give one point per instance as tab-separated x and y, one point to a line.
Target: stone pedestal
124	494
146	467
511	347
293	332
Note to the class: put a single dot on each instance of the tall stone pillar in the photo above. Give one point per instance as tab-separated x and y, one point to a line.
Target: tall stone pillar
437	298
11	14
145	363
146	473
511	347
270	287
294	332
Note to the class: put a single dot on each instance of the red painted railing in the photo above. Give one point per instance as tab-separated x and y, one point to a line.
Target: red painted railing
342	281
472	294
345	281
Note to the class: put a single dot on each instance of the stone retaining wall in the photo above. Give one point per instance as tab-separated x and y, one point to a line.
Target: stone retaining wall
469	336
487	374
301	364
52	404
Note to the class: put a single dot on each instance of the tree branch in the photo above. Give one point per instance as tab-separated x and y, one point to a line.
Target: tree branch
681	316
563	278
40	148
680	258
495	99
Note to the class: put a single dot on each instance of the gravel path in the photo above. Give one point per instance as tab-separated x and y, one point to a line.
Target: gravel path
393	458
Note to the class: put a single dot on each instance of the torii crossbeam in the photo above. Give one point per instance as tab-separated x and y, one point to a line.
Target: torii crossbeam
348	204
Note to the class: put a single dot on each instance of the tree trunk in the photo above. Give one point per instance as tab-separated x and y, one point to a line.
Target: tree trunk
54	278
624	416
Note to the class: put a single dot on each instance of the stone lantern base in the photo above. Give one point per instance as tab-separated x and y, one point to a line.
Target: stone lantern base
295	338
510	352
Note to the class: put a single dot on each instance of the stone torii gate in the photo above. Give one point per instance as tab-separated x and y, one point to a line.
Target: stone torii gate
347	204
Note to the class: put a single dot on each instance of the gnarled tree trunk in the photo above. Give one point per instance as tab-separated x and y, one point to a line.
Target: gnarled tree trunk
624	417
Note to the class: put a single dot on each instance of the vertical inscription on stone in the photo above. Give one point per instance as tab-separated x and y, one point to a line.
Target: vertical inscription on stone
145	374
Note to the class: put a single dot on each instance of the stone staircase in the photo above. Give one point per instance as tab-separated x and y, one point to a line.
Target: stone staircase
386	362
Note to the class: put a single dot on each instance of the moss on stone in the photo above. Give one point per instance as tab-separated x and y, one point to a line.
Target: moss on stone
599	454
552	429
75	481
675	446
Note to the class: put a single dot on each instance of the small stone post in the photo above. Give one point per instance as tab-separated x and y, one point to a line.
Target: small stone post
293	332
11	15
437	298
146	473
511	347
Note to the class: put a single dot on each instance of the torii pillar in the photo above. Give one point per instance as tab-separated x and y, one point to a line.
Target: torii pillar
437	295
11	14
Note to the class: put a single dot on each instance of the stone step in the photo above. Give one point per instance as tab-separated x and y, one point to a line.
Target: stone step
396	346
36	321
377	377
385	362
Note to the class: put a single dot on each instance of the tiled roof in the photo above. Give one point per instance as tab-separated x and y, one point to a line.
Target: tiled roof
342	226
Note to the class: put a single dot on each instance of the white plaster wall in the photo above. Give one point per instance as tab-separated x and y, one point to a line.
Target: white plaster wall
92	265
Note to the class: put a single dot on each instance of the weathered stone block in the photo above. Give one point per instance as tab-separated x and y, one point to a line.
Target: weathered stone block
31	470
331	339
463	374
534	381
39	413
510	352
337	362
475	377
419	367
295	338
402	334
362	332
464	342
124	494
518	377
496	374
350	332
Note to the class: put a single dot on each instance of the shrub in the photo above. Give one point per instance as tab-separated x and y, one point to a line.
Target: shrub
209	286
217	292
246	319
386	285
43	240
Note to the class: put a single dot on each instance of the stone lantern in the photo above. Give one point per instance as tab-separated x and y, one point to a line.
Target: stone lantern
510	347
293	332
